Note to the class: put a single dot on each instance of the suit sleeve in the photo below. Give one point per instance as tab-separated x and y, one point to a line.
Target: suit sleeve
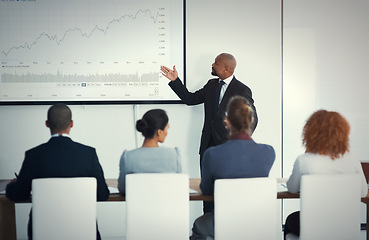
187	97
248	95
20	190
256	119
102	187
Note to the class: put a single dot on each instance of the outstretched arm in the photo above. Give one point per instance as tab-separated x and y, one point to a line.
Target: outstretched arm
169	73
182	92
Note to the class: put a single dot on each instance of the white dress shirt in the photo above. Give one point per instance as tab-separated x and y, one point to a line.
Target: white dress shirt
224	87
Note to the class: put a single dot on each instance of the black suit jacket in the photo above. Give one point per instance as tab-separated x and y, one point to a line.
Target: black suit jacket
59	157
214	131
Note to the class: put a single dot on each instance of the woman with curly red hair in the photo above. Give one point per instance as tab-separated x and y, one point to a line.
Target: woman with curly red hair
326	139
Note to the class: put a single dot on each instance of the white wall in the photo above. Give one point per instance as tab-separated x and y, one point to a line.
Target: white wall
250	30
325	66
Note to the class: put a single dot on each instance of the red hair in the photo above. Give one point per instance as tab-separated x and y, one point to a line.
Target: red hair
326	133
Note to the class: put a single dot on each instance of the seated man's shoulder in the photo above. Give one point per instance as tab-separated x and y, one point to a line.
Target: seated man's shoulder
81	146
36	148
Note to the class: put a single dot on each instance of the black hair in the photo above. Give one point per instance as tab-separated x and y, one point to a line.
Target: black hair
59	116
152	121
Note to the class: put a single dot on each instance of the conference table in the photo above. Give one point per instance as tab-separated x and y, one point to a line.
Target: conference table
7	207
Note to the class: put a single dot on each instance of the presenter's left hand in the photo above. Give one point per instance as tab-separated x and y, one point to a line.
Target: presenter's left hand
169	73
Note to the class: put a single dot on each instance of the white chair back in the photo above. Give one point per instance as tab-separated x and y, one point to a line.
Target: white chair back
245	208
157	206
330	207
64	208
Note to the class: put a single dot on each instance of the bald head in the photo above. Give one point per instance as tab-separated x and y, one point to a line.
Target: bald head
229	61
223	66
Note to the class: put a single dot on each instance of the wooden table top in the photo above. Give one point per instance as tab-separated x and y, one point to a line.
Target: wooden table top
193	196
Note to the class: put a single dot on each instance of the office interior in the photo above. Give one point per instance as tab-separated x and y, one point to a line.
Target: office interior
296	56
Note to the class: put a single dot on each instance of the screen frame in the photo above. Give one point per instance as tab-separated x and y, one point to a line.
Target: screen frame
115	102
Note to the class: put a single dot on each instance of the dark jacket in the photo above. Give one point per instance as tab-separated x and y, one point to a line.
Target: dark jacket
213	130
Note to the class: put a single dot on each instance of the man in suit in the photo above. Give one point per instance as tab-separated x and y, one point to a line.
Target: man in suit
215	95
214	131
59	157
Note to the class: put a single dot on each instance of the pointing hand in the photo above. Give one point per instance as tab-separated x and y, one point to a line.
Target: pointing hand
169	73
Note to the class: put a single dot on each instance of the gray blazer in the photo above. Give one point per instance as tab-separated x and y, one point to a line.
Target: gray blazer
148	160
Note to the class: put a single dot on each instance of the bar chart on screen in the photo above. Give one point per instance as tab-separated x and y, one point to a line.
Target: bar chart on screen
89	50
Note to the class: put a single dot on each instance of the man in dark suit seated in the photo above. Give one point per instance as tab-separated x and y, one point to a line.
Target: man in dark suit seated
59	157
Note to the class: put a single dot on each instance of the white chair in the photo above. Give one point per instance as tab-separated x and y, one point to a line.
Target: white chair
245	208
64	208
330	207
157	206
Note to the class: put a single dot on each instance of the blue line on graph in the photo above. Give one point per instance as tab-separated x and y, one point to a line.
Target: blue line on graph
96	28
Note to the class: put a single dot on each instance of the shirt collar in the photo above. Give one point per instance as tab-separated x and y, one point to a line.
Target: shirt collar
59	135
240	136
228	79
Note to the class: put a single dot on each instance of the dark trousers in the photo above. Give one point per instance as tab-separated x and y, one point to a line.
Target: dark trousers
203	227
207	206
292	224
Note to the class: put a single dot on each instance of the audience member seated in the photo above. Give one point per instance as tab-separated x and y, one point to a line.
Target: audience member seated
239	157
150	158
59	157
326	139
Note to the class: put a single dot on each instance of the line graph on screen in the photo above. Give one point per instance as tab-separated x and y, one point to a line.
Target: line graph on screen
88	50
59	39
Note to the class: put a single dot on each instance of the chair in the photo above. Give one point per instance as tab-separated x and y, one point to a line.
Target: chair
157	206
365	166
330	207
64	208
245	208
